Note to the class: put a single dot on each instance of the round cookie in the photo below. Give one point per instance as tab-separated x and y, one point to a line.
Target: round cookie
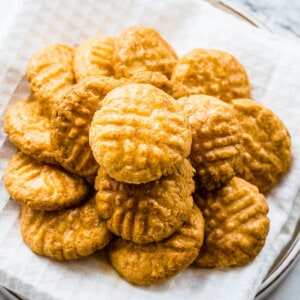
50	74
65	234
266	153
157	79
141	48
139	134
154	263
29	131
216	138
147	212
52	54
211	72
71	120
236	225
42	186
94	57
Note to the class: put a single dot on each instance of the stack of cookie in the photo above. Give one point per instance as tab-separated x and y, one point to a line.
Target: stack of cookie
161	160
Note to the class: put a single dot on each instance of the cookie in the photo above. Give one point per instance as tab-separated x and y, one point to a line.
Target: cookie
94	57
42	186
65	234
29	131
141	48
211	72
216	140
148	212
236	225
50	74
71	120
266	154
154	263
157	79
139	134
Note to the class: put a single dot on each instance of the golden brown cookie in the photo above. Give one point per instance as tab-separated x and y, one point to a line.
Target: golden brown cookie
216	138
50	74
64	234
148	212
141	48
211	72
42	186
30	131
139	134
266	154
94	57
157	79
146	264
236	225
71	120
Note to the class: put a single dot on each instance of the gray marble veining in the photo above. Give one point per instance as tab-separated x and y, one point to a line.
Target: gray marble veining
280	16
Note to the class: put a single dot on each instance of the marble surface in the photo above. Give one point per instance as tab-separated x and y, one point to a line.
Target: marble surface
282	18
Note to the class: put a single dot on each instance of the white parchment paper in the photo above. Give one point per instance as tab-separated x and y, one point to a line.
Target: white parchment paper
273	65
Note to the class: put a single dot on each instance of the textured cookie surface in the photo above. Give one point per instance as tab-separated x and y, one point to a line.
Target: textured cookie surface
266	154
236	225
146	264
157	79
30	131
94	58
50	73
71	120
146	212
41	185
142	49
139	134
211	72
216	137
65	234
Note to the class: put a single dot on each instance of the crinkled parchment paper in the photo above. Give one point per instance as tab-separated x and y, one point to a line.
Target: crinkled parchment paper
273	65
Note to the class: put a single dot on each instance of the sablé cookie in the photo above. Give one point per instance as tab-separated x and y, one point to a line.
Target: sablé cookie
216	138
141	48
266	154
139	134
71	121
50	74
41	185
94	57
147	212
211	72
154	263
236	225
65	234
29	131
